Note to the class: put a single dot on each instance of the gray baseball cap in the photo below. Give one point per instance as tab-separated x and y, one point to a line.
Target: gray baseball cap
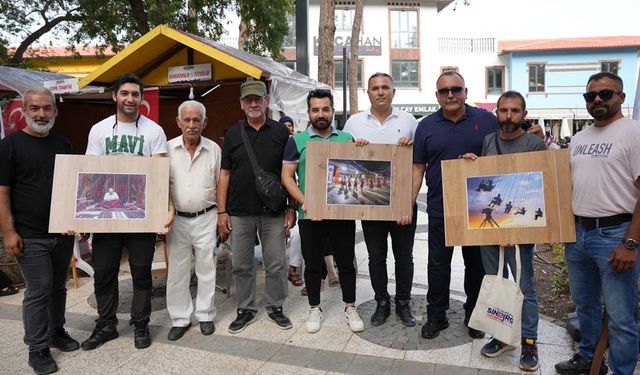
257	88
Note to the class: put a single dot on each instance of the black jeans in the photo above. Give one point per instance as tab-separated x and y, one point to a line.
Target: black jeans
107	251
5	281
375	236
313	238
439	272
44	265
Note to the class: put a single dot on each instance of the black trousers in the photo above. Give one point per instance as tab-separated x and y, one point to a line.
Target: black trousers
313	239
439	272
44	264
5	281
402	236
107	251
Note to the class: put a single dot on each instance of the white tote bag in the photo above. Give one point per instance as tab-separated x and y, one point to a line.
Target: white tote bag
498	310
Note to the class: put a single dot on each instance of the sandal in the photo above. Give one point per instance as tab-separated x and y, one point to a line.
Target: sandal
295	279
334	282
10	290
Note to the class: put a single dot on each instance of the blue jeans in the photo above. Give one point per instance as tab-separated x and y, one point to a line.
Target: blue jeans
590	278
490	256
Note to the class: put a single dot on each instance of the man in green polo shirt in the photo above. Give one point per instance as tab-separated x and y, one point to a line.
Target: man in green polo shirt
314	232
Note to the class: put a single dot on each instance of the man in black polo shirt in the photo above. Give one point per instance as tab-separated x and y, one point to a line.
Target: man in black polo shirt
241	212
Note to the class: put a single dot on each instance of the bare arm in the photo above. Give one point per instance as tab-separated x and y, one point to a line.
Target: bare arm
288	177
418	173
12	240
222	190
623	259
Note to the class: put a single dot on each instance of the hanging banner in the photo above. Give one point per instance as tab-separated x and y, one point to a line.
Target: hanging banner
187	73
150	104
13	119
62	86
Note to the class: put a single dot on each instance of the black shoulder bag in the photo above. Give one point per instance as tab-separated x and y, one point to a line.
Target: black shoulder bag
268	185
498	150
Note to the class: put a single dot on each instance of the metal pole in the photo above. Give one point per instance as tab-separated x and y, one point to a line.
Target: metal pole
302	36
345	85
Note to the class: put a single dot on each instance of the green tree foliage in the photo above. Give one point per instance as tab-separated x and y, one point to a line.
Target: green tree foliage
116	23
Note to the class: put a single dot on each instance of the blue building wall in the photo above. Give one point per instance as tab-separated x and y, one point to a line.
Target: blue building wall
567	73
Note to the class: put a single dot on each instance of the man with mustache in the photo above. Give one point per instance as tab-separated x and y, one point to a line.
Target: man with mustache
384	124
511	111
241	212
455	129
195	166
132	134
314	233
26	177
602	263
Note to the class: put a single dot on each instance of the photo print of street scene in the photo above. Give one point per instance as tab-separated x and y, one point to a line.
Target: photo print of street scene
111	196
506	201
359	182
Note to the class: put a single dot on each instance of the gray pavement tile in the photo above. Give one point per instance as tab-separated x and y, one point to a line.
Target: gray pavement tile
496	372
401	367
294	355
331	361
367	365
454	370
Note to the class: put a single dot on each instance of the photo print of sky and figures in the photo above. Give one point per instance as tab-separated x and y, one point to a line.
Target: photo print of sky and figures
359	182
513	200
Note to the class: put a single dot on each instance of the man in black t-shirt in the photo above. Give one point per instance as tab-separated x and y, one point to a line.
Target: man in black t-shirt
26	178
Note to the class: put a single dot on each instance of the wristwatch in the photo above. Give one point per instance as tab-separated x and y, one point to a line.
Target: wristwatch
630	243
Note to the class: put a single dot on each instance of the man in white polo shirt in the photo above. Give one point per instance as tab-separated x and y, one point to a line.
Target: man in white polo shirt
195	167
384	124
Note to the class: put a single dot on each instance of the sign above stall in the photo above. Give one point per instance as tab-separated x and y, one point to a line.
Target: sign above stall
62	86
188	73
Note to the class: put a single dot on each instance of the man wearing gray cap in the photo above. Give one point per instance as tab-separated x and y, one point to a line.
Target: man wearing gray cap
242	213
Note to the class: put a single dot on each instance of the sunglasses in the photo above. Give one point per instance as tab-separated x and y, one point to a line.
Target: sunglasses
605	95
455	90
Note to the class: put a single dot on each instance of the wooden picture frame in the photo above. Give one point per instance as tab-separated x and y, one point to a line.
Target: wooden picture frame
104	194
345	181
508	199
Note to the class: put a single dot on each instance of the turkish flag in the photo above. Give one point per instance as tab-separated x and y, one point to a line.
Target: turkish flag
13	119
150	104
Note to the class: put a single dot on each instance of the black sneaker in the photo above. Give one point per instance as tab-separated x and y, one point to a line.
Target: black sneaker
281	321
244	318
432	328
529	355
473	333
100	335
403	311
62	341
42	362
383	310
495	348
578	365
141	336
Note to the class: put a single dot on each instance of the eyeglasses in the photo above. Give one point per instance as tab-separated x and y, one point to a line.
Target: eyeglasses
455	90
605	95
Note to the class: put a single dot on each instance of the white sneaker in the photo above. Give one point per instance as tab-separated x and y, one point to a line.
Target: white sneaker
353	319
312	325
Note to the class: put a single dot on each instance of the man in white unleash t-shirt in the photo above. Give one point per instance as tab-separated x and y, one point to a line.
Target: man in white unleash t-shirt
132	134
605	169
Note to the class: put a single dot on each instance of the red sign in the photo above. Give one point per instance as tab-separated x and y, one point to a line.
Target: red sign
151	104
13	119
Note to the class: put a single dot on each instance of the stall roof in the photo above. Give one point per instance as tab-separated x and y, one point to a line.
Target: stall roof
19	80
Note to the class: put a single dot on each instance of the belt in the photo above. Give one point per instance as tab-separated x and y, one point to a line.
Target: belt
195	214
598	222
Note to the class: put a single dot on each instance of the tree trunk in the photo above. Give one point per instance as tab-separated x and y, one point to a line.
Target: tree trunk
17	56
140	16
242	35
326	32
353	59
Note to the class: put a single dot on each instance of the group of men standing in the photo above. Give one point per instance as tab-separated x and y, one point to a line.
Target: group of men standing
213	198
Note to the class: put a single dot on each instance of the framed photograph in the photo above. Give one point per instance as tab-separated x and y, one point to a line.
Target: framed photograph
345	181
101	194
514	198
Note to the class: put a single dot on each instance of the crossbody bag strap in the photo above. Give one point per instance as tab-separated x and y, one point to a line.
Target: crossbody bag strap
495	139
249	149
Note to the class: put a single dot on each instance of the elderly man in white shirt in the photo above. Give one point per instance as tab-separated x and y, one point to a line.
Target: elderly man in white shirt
195	167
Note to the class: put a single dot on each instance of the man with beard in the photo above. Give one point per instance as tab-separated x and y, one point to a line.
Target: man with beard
384	124
241	212
602	263
132	134
26	177
314	233
195	166
511	110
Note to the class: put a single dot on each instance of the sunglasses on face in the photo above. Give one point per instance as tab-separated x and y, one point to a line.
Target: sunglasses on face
605	95
455	90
